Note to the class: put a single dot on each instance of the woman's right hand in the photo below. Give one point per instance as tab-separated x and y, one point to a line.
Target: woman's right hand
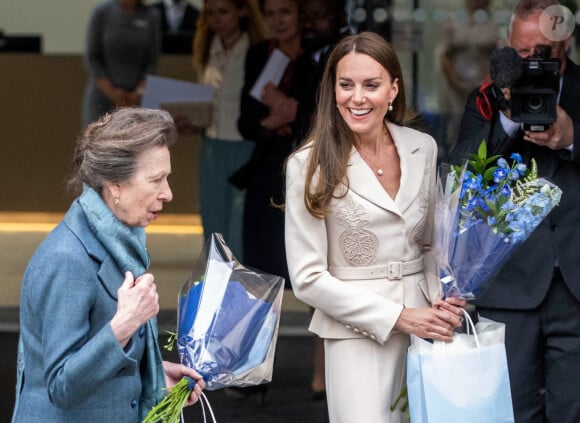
437	322
138	302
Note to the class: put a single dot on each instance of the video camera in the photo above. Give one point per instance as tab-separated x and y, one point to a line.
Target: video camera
534	94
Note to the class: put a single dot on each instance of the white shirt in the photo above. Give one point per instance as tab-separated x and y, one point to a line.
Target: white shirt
174	12
225	72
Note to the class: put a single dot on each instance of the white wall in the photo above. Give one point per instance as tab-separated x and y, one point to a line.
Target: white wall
62	23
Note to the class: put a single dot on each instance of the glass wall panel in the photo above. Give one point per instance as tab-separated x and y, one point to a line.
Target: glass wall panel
444	47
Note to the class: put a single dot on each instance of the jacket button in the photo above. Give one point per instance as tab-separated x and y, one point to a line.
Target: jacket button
365	333
554	228
357	330
133	403
373	337
348	326
142	332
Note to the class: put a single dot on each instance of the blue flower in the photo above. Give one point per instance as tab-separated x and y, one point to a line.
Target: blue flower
514	174
510	201
521	168
499	205
499	175
517	157
501	162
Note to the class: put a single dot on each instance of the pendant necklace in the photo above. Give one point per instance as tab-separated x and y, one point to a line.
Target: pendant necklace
379	170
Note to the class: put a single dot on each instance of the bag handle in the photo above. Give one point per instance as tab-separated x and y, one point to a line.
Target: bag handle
201	400
471	326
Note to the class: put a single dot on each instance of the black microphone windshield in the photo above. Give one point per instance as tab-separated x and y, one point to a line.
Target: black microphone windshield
505	67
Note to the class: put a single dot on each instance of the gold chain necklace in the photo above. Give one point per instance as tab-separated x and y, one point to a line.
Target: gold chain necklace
379	171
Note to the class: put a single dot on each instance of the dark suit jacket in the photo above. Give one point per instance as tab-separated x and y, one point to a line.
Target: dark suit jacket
187	23
271	149
179	42
524	280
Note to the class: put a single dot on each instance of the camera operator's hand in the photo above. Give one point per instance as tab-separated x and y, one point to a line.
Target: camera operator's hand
507	95
559	135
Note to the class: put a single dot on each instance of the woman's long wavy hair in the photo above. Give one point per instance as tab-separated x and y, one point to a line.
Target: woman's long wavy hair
330	139
253	24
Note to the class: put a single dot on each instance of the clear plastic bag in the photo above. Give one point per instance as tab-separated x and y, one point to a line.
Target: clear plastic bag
228	318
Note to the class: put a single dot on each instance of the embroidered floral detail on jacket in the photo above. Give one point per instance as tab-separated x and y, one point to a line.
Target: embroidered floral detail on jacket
359	245
418	231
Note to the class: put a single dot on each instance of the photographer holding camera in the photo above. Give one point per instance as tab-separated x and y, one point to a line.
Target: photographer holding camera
537	292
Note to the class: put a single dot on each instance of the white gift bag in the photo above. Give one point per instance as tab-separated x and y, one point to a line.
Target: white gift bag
463	381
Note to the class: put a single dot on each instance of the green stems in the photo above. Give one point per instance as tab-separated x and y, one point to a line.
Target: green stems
169	409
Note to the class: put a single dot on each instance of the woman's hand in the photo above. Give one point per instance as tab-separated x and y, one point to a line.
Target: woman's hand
173	374
133	98
454	305
437	322
283	109
138	301
118	96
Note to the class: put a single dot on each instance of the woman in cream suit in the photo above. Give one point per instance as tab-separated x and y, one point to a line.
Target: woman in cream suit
358	242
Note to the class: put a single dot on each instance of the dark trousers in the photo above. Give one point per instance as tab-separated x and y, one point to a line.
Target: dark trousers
543	353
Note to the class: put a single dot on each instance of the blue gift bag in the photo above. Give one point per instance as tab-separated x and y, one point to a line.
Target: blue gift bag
463	381
415	390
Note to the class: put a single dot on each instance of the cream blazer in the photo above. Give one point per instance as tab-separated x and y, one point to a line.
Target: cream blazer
365	229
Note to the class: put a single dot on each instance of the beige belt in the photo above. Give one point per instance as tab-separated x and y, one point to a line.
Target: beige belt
395	270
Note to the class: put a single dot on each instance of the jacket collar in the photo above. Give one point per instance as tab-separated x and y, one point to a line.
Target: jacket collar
364	183
109	272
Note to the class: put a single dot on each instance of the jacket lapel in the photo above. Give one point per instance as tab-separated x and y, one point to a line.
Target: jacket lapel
413	162
364	182
108	273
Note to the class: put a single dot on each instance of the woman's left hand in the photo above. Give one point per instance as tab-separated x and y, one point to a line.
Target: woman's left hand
174	372
451	304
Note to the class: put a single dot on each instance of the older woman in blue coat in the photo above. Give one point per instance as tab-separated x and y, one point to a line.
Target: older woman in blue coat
89	347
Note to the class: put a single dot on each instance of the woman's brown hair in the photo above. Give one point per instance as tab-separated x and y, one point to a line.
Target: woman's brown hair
252	23
330	139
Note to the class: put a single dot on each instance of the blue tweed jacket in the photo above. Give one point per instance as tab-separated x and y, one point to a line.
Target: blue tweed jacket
74	368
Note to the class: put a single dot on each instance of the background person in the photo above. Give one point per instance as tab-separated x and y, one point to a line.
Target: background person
178	19
226	29
465	48
177	16
359	198
537	292
88	307
270	123
123	46
324	23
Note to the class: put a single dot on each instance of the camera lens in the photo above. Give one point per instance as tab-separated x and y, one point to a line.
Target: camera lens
535	103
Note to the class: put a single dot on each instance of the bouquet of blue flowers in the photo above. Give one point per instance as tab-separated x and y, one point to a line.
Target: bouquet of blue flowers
484	210
228	317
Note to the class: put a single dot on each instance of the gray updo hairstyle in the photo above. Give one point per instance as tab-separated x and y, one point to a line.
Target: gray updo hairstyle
108	149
